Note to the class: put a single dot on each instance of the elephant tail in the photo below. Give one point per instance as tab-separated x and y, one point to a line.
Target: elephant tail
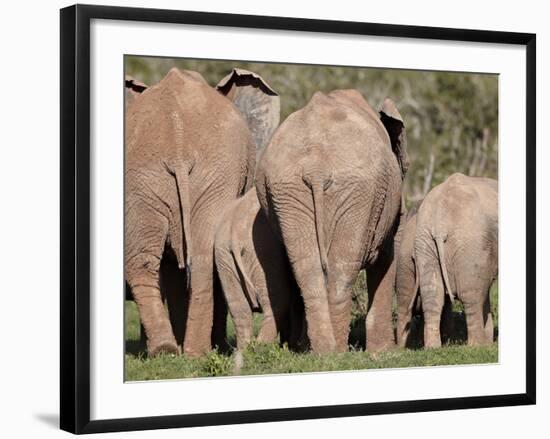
439	243
181	174
250	289
318	209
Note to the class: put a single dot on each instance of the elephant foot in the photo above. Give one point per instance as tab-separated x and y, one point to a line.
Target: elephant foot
342	349
402	341
380	345
479	341
193	352
266	335
380	340
323	346
432	340
380	335
156	347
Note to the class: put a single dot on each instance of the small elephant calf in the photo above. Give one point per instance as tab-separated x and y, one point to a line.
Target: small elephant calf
456	254
407	288
255	275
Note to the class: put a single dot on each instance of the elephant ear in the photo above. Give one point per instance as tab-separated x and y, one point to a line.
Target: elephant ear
134	85
256	100
392	120
133	88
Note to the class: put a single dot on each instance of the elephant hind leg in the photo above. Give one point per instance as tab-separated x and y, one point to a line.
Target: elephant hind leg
341	281
404	321
200	316
380	285
311	280
239	308
145	235
155	322
269	327
475	308
433	301
243	320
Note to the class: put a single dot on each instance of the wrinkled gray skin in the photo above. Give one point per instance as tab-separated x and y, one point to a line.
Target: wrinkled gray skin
456	254
189	153
256	100
330	184
406	286
255	275
410	322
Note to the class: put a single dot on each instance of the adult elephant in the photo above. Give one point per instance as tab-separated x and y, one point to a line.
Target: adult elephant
189	153
330	183
456	254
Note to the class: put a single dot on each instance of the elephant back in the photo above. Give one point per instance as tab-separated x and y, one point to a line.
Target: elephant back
337	130
182	118
462	209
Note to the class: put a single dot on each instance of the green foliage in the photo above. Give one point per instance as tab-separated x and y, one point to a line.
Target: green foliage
216	364
451	118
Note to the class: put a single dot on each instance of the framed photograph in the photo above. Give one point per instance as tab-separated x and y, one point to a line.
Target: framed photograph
339	213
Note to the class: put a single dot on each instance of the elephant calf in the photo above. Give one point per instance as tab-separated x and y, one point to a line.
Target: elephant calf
409	303
255	275
456	252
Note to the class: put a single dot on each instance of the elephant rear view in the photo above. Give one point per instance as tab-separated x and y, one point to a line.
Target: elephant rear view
330	185
255	276
456	254
189	152
407	288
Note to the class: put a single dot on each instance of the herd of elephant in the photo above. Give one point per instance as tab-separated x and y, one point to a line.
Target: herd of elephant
227	210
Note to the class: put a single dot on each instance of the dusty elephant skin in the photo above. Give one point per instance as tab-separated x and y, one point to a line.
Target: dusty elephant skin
255	275
189	153
406	286
409	302
456	254
330	184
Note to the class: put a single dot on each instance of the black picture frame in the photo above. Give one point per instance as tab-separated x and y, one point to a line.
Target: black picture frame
75	217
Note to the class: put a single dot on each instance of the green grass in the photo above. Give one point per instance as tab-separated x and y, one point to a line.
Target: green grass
261	359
